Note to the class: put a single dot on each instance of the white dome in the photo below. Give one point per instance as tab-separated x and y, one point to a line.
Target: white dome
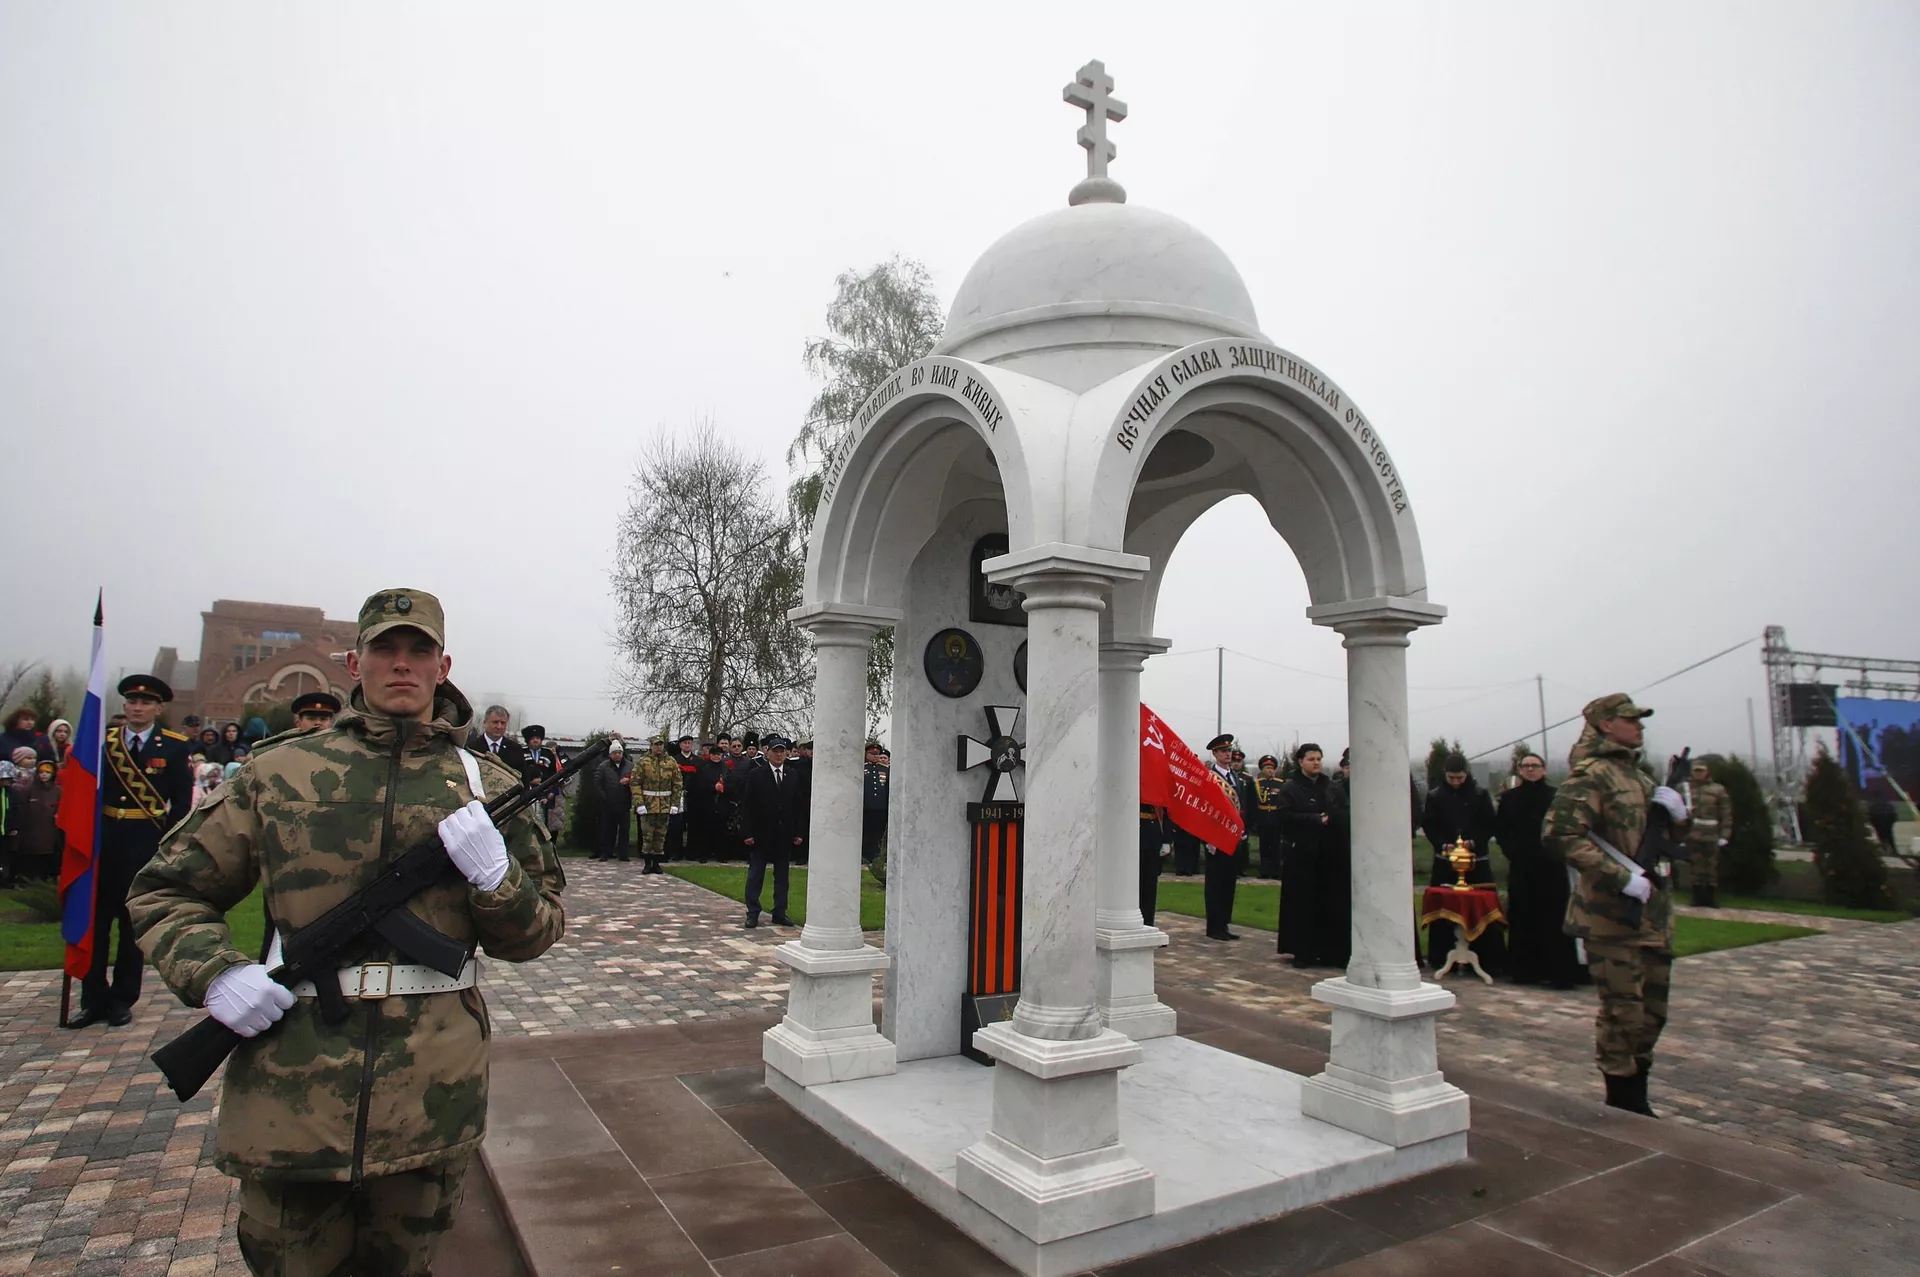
1105	276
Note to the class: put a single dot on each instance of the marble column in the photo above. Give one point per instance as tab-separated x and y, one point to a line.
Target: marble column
1123	942
828	1033
1383	1075
1051	1164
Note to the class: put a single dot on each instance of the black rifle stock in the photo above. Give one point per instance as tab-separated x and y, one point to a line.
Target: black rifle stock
379	907
1659	842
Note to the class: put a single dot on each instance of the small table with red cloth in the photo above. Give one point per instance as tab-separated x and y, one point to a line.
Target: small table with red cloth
1471	912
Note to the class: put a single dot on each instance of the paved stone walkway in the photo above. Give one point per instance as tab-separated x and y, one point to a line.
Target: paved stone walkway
1811	1045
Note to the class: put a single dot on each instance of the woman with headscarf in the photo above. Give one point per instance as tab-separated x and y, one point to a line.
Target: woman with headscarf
1460	811
1313	910
229	741
1538	951
60	736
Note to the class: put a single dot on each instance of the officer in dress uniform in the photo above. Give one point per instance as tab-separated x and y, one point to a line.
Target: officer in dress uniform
146	785
1222	871
1265	817
315	709
873	803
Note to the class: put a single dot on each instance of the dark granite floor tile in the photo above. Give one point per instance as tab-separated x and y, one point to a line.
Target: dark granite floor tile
1587	1150
662	1127
732	1210
1462	1249
545	1117
1495	1175
661	1061
802	1151
593	1214
1803	1236
481	1242
732	1031
905	1235
1675	1266
604	1041
1670	1202
1292	1246
836	1256
724	1087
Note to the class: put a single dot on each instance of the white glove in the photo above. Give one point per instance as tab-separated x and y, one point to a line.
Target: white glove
673	811
642	809
1723	842
245	1000
475	846
1640	888
1670	799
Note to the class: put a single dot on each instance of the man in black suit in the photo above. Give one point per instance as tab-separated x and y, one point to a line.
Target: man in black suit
146	788
493	738
774	803
1222	869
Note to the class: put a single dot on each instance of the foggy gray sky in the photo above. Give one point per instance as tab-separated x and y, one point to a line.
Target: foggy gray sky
299	301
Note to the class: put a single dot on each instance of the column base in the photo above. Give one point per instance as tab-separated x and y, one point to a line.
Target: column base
828	1033
1382	1078
1053	1165
1125	991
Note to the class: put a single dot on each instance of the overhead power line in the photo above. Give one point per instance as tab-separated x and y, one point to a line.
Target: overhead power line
1664	678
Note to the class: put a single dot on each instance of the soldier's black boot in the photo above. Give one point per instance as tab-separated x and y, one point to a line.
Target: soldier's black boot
1643	1108
1713	897
1702	896
1618	1090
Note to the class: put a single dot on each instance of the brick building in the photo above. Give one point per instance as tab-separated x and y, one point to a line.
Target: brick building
256	654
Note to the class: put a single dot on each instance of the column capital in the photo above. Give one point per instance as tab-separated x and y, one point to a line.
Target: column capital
843	622
1130	651
1060	575
1382	619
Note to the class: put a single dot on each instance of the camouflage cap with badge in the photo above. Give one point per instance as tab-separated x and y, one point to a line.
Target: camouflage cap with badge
392	609
1615	705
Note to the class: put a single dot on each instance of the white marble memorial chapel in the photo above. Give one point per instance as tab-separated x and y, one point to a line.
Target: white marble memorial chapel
1103	381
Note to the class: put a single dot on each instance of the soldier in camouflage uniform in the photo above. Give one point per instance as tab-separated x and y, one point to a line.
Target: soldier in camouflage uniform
1712	809
351	1141
659	787
1596	824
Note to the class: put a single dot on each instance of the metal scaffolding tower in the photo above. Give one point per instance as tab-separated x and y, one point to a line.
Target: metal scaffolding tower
1800	702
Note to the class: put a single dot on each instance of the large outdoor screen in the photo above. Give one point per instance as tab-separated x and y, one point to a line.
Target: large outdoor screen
1890	732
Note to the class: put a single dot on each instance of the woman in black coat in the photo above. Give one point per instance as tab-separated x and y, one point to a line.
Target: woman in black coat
1315	914
1456	810
1538	951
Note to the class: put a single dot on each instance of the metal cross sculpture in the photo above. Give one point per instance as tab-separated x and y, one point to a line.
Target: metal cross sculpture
1093	89
999	753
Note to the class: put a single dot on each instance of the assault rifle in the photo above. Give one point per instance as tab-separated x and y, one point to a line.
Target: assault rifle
379	908
1659	842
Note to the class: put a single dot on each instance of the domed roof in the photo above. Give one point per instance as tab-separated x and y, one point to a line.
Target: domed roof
1097	274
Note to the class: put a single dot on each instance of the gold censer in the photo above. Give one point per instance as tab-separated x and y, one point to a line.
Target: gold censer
1461	857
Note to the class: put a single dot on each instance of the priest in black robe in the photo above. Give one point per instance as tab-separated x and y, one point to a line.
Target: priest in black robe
1538	950
1460	810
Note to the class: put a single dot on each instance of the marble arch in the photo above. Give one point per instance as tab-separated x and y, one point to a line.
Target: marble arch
1104	381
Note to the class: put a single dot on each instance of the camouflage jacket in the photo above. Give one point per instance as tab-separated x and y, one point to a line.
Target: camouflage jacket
1606	795
402	1083
660	775
1712	809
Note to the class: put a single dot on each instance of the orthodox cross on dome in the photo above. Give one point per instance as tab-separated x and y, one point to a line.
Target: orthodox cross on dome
999	753
1092	90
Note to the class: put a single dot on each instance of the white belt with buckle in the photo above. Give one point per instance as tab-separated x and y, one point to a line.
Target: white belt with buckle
657	793
372	981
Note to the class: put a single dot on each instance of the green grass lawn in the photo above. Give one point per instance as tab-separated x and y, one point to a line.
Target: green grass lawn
1812	908
731	881
1259	907
36	946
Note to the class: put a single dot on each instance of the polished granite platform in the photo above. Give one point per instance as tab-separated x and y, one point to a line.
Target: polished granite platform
657	1151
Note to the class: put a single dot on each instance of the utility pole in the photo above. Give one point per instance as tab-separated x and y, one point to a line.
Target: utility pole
1219	688
1753	738
1540	689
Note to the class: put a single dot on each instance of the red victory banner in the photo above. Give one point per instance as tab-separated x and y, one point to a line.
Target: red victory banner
1196	799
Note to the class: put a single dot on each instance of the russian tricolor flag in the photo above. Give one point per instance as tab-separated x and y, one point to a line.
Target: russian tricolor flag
79	814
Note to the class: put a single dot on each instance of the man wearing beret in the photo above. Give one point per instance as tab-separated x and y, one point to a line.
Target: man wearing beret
1222	870
146	788
1595	824
351	1140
